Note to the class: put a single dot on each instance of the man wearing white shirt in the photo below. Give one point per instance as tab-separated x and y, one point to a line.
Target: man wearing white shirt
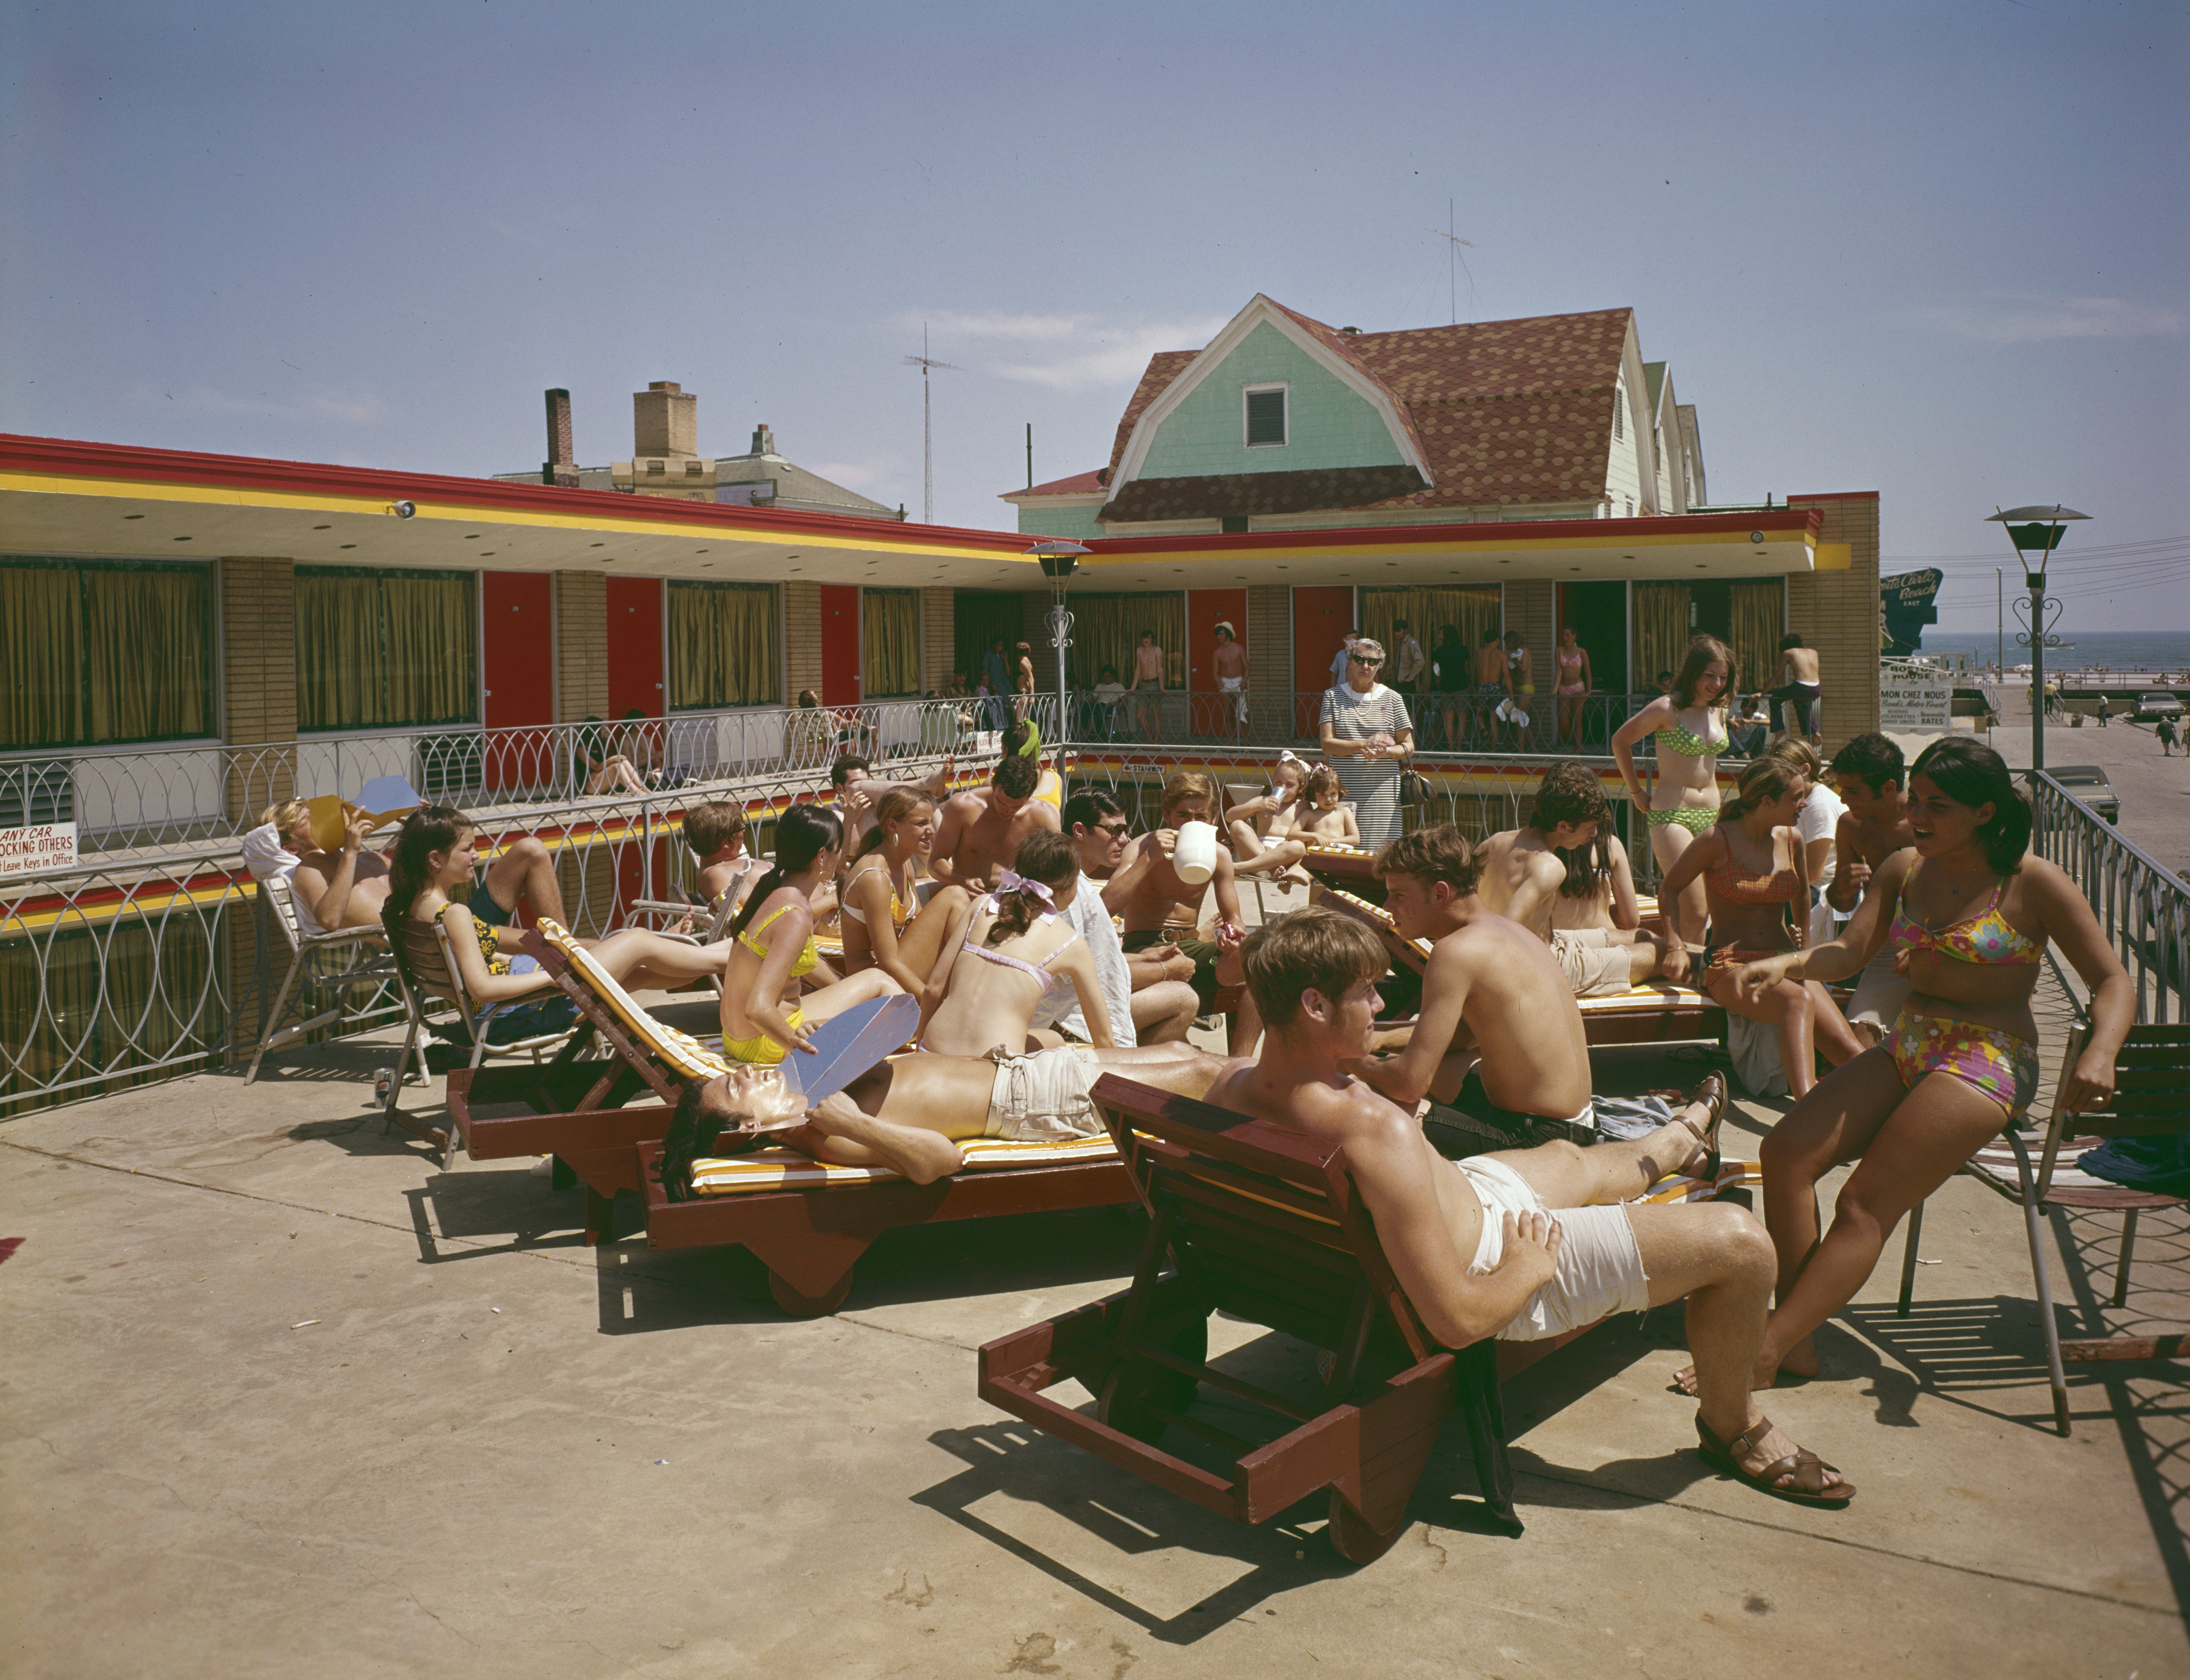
1147	1006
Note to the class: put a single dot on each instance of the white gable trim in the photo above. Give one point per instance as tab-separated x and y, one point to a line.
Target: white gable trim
1260	310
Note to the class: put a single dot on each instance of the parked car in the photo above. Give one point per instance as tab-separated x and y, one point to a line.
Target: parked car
2088	782
2157	705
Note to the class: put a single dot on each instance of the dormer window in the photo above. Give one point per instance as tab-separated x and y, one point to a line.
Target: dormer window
1265	417
655	469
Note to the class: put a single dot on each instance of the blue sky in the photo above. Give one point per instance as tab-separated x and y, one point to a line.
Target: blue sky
1935	250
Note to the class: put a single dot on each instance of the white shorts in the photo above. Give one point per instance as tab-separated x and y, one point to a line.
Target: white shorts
1594	966
1236	685
1879	992
1600	1265
1045	1096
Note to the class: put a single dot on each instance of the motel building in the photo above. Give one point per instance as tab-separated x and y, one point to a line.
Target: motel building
189	637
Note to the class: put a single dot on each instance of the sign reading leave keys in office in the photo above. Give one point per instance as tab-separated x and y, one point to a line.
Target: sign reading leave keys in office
42	846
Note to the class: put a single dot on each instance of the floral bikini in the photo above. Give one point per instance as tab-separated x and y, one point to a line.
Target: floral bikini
2000	1064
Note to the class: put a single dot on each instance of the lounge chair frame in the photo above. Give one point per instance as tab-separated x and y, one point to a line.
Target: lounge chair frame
1264	1223
2152	1099
365	959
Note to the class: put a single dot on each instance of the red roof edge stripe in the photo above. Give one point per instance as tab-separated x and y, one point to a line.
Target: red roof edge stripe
71	458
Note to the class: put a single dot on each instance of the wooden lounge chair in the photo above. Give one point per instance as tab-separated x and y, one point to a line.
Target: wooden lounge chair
2152	1099
576	1108
1351	868
808	1224
1264	1223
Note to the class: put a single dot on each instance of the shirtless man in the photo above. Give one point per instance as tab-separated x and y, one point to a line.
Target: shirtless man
1799	690
980	829
1568	883
1872	779
859	790
348	888
1159	908
1149	686
911	1111
1522	1244
1230	662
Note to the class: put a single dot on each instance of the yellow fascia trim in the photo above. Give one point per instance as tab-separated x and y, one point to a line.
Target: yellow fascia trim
1324	550
224	496
1835	557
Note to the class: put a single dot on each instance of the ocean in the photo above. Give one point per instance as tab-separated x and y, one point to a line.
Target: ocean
2141	650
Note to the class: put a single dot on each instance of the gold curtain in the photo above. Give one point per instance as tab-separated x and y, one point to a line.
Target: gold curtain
339	651
1476	608
1106	629
1662	632
41	638
148	653
722	645
1759	621
890	641
433	643
375	650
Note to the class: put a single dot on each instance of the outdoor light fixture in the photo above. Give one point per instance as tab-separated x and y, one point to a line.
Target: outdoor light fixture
404	510
1059	560
2036	531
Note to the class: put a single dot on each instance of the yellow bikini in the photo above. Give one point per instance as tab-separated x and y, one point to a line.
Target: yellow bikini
761	1048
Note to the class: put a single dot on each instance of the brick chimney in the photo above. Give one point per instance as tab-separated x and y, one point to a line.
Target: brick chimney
665	422
561	467
763	439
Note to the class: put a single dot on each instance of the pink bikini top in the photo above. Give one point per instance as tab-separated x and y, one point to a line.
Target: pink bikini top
1004	960
1986	937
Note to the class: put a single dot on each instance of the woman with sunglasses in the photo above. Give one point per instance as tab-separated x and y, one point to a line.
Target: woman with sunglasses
1367	739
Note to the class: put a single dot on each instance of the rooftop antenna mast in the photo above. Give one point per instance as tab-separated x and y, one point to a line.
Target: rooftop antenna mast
927	364
1452	280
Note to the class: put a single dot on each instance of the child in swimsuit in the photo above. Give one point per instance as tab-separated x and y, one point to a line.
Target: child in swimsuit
1327	818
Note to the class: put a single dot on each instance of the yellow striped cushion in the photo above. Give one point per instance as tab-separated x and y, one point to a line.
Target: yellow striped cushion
787	1169
685	1055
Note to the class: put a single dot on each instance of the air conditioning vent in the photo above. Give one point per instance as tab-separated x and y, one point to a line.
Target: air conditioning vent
1266	418
36	792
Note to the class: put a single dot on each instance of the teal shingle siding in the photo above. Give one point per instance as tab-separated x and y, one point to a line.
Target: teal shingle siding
1329	426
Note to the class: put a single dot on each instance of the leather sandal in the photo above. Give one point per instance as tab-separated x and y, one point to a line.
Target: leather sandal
1804	1470
1711	1093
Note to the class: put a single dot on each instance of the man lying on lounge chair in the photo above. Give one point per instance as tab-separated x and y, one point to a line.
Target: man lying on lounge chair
1565	877
1522	1244
907	1113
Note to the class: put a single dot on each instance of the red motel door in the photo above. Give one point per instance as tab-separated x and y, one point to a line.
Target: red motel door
840	644
1204	608
634	640
520	684
1321	617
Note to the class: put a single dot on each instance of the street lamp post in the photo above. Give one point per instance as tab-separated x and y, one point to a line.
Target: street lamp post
1059	560
2036	532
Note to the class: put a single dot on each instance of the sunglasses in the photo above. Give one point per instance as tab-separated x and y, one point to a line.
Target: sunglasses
1358	660
1113	829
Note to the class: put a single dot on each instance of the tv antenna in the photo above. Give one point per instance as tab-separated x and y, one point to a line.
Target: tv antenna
1452	282
928	364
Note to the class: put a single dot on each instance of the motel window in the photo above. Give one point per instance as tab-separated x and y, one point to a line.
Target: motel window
1266	416
385	649
724	648
1106	629
889	642
96	655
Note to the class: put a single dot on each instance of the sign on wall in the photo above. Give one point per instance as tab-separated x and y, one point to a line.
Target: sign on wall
42	846
1912	700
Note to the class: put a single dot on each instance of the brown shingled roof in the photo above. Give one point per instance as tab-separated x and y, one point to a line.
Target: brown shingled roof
1512	412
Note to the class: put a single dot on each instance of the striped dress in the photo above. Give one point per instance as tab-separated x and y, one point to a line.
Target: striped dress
1372	783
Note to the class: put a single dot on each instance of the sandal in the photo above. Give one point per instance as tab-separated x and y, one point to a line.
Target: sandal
1712	1094
1804	1468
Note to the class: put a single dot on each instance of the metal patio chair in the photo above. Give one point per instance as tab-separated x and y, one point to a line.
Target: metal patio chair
330	966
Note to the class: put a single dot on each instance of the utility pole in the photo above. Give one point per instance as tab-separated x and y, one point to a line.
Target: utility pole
1029	455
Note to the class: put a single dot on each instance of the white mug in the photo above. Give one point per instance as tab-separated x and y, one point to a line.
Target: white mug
1195	856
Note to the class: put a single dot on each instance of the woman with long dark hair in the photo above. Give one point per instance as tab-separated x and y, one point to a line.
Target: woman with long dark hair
772	945
434	855
1970	915
1756	882
1689	720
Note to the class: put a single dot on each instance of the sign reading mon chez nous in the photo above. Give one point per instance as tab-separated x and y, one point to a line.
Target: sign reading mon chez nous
42	846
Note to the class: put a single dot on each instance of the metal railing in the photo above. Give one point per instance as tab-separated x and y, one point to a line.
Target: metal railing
2143	906
137	799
